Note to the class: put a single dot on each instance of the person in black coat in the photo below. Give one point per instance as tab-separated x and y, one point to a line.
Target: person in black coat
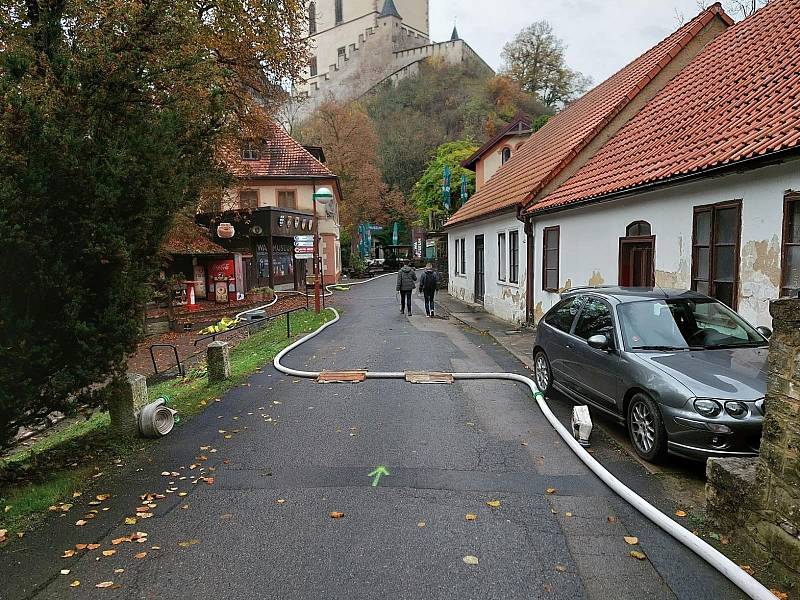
406	279
427	286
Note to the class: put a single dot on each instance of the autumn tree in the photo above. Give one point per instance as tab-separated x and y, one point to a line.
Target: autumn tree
350	142
535	60
111	113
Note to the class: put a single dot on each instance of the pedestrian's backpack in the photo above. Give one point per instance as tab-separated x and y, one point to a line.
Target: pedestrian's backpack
430	280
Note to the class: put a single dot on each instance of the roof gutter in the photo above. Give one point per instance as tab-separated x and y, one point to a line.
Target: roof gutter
772	158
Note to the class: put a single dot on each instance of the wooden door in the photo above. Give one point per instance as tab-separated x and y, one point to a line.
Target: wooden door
637	261
480	283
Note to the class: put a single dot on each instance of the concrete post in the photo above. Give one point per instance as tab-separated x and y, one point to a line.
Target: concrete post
125	400
219	361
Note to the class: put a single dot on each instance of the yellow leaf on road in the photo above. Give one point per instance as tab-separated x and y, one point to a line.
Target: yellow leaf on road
680	513
130	520
65	571
747	569
637	555
92	546
470	560
335	514
470	517
561	568
779	594
281	501
140	555
631	539
75	583
104	584
68	554
421	524
80	522
493	503
551	490
188	543
109	552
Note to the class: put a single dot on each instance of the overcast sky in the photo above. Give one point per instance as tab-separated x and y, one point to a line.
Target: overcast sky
601	35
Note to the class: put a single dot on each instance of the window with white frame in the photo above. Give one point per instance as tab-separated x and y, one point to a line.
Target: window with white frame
501	256
455	257
513	256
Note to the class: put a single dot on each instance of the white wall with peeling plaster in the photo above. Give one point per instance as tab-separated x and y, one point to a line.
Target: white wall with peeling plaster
502	298
589	246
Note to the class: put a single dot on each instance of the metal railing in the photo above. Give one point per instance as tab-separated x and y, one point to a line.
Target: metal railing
181	370
213	336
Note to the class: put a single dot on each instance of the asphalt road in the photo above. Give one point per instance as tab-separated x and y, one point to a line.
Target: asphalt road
288	452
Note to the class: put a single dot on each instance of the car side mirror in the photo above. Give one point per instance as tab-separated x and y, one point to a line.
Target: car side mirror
599	342
765	331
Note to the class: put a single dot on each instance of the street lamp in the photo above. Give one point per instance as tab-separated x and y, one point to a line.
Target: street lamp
322	195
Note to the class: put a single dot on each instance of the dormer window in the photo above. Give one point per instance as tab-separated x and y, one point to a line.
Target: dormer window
250	152
506	154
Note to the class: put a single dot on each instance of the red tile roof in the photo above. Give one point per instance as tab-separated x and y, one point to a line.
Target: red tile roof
281	156
548	151
738	99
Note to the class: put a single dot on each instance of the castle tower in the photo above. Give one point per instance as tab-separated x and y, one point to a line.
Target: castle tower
338	28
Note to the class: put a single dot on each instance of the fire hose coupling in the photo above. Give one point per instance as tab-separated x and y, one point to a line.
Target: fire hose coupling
157	419
581	424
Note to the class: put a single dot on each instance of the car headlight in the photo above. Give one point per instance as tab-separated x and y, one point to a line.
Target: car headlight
707	407
736	409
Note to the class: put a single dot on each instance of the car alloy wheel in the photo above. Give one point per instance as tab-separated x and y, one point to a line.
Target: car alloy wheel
542	372
642	427
646	428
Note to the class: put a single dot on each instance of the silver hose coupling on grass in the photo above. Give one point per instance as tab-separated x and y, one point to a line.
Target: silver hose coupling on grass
156	419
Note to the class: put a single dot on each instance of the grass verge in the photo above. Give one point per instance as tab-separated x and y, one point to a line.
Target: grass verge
50	470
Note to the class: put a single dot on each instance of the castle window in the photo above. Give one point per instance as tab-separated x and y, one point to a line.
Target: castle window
312	66
338	11
312	18
341	52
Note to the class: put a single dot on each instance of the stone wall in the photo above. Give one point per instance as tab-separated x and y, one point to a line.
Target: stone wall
759	499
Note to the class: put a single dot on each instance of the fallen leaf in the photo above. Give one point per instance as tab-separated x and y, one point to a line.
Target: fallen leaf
130	520
140	555
109	552
611	519
561	568
188	543
421	524
724	540
7	508
637	555
335	514
631	540
523	443
65	571
21	534
92	546
551	490
470	517
568	514
493	503
80	546
680	513
80	522
779	594
65	507
281	501
103	497
184	506
76	494
75	583
104	584
68	554
747	569
470	560
118	571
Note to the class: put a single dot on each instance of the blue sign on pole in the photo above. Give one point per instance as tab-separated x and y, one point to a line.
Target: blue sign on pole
463	189
446	187
395	234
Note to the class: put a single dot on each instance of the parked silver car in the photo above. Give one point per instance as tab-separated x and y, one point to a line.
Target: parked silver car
682	371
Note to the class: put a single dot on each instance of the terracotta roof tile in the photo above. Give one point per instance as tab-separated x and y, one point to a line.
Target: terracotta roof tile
281	156
738	99
551	148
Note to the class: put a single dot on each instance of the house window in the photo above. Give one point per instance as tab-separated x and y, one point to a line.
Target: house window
338	11
513	256
250	152
456	258
287	199
551	239
312	18
501	256
462	257
312	66
637	229
248	199
506	154
715	251
790	281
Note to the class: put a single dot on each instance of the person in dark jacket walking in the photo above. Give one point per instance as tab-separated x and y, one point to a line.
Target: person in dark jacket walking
427	286
406	279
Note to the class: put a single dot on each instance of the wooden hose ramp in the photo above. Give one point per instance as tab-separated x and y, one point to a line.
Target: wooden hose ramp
428	377
342	377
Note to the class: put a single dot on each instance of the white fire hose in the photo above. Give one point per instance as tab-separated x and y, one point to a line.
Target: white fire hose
711	555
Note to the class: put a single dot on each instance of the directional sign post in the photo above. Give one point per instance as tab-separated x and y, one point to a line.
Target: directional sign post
303	246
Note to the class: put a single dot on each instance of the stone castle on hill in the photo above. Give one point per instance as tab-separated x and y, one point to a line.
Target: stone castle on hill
359	44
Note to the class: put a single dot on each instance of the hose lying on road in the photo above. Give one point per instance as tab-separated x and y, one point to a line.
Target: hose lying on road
711	555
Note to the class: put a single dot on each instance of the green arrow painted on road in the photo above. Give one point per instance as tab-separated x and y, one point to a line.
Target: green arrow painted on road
379	472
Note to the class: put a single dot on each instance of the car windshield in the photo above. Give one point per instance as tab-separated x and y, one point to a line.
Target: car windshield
684	324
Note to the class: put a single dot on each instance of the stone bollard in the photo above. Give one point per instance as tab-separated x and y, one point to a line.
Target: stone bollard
125	400
219	361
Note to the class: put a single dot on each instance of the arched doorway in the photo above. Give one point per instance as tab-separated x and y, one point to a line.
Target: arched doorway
637	256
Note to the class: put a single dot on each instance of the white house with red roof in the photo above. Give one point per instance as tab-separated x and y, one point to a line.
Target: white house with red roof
491	255
699	190
270	206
